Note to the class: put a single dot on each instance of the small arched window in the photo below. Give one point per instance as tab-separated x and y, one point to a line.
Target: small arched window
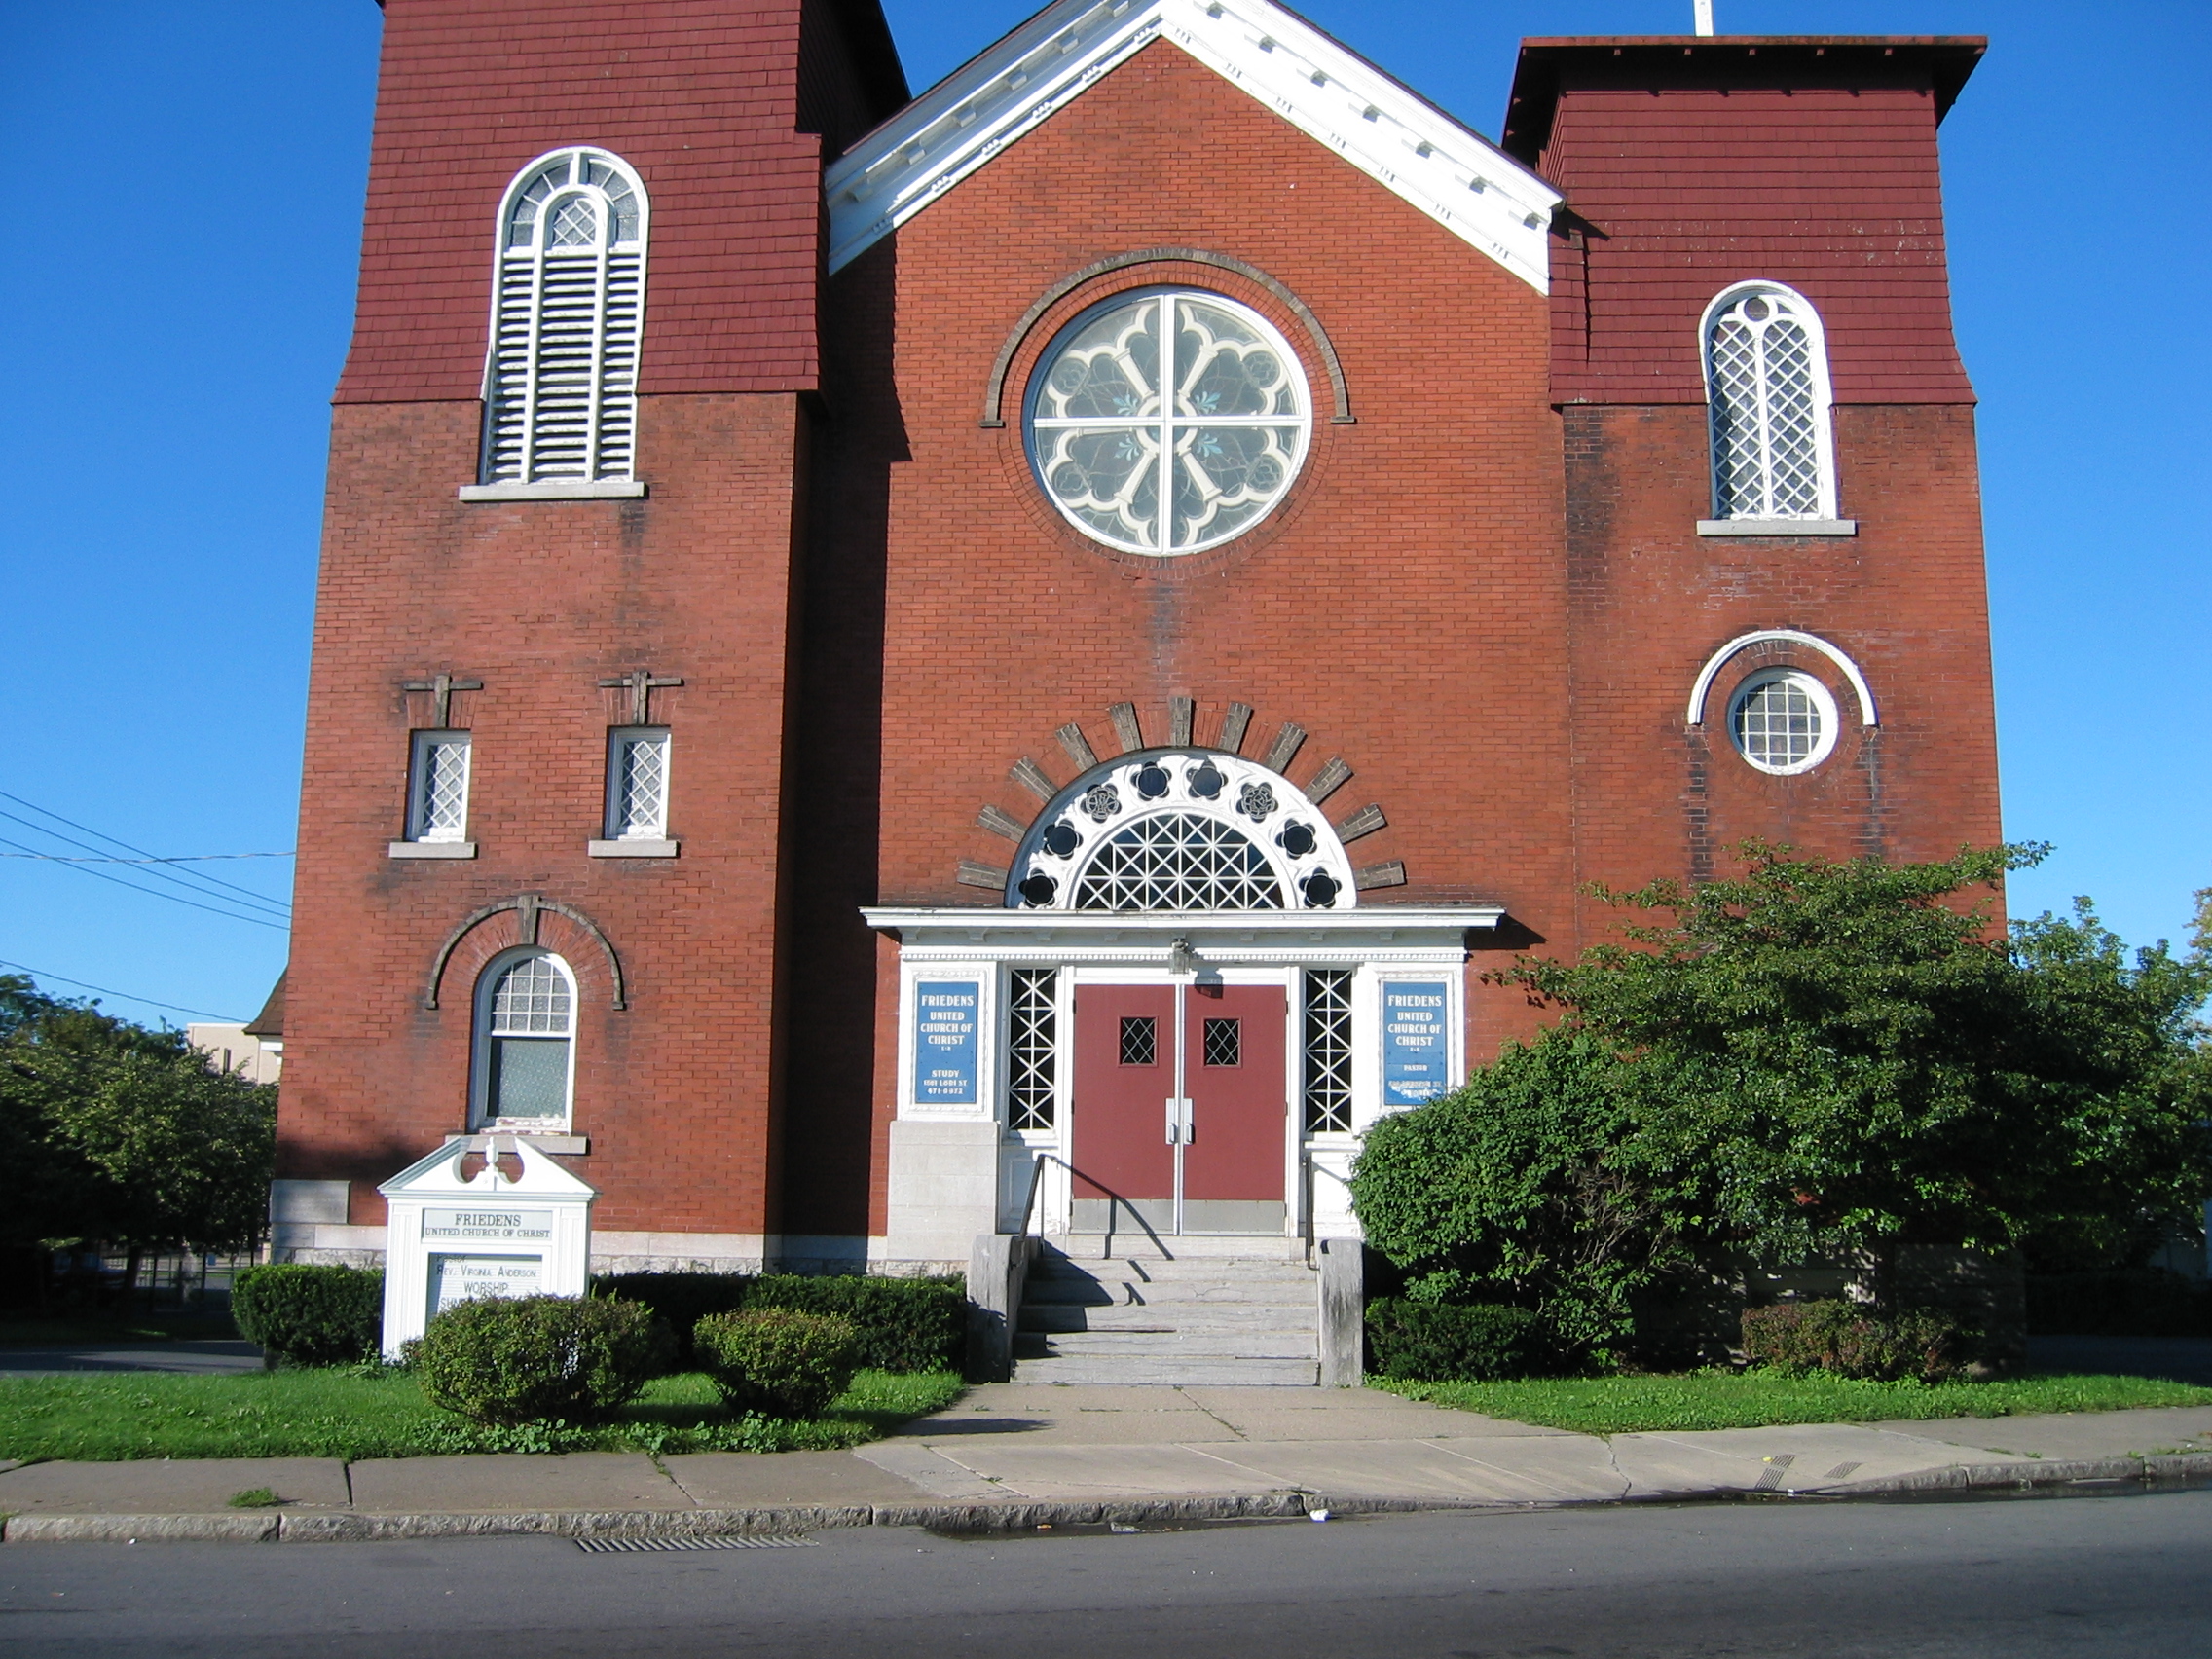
568	312
526	1013
1766	385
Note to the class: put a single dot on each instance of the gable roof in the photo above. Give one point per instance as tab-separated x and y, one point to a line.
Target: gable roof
1325	89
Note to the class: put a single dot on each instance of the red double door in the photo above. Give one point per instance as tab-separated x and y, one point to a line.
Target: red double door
1216	1143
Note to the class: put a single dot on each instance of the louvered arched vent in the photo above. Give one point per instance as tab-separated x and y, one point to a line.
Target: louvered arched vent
568	310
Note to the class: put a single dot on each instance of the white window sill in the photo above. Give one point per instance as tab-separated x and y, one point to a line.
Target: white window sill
561	1145
556	489
1777	527
633	849
429	849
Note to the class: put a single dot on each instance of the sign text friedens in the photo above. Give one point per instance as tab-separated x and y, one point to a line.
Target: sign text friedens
944	1042
487	1225
1415	1050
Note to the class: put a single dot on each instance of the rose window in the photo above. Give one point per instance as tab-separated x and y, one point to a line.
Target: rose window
1165	423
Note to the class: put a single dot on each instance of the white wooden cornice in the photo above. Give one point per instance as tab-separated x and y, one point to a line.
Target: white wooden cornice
1455	176
1383	932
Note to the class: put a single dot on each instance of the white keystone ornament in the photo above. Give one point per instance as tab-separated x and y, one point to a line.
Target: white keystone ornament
453	1238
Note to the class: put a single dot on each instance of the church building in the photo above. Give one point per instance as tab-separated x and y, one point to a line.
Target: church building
893	668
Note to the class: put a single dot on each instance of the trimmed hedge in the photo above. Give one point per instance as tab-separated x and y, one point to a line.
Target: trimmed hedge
1432	1342
778	1361
519	1359
2143	1301
905	1324
1842	1339
304	1314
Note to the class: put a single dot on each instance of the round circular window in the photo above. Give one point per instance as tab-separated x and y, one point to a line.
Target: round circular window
1167	422
1783	721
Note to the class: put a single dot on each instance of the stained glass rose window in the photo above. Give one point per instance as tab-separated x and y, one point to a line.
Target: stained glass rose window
1167	422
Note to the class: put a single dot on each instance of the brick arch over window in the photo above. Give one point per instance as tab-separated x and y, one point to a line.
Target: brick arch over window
1227	738
530	919
994	397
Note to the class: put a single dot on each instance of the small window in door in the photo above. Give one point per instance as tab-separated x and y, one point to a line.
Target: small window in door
1140	1042
1225	1046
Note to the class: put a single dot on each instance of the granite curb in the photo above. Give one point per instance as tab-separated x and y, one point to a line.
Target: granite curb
1014	1515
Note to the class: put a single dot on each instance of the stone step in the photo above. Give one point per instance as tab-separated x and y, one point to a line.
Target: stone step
1166	1317
1168	1373
1174	1345
1171	1273
1096	1293
1243	1246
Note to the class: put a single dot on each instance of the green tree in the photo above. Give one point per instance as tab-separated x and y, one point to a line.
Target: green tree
1844	1058
125	1134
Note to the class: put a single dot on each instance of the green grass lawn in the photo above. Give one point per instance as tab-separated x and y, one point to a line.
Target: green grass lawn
1755	1399
348	1413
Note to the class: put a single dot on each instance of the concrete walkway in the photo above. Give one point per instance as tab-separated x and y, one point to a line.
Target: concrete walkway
1011	1455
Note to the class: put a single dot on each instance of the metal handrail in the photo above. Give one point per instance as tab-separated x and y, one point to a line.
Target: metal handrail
1035	1179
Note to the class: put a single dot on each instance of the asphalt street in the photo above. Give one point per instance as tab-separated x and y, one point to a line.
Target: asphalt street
2080	1576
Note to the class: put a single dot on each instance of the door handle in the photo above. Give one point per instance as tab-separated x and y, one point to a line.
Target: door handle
1179	1122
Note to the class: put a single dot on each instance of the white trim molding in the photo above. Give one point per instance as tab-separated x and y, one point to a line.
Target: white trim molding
557	490
1695	716
1335	96
1305	939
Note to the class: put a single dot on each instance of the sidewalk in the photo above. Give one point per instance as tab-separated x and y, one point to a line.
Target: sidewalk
1011	1455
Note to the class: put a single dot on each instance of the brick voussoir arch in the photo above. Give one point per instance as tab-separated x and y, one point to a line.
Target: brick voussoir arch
1229	737
547	923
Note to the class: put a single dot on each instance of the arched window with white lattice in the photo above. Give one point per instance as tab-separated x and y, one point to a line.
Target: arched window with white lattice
1766	384
1181	830
525	1050
568	314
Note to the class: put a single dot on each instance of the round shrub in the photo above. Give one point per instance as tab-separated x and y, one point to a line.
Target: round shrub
777	1361
1430	1342
304	1314
1845	1340
533	1358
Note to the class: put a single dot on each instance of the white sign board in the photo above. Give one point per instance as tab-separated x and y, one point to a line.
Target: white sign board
517	1225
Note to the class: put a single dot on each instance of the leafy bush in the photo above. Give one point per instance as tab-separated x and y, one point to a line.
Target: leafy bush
1433	1342
1510	1189
777	1361
905	1324
302	1314
1844	1340
2145	1302
510	1360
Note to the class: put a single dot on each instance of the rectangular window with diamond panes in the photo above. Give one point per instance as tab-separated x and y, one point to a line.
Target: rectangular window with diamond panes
1031	1030
1328	1051
437	790
637	784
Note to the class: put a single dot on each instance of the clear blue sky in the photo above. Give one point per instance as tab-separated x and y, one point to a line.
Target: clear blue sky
188	190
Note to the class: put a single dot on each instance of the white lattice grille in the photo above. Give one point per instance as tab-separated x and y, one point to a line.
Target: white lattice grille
1765	382
1328	1051
562	392
1166	423
439	811
640	779
1178	861
1031	1030
530	999
1782	722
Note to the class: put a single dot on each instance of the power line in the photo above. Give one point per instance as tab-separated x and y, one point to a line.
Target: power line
48	812
181	857
267	907
63	979
155	892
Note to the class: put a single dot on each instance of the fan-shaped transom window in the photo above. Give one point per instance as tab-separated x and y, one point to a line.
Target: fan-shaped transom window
525	1039
1783	721
560	384
1178	831
1767	389
1167	422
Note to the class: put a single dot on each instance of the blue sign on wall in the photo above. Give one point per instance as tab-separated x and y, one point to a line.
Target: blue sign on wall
1415	1046
944	1042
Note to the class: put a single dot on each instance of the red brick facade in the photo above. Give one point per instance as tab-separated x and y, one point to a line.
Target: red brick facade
1486	592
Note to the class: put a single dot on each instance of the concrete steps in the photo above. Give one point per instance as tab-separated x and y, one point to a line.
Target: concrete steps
1193	1316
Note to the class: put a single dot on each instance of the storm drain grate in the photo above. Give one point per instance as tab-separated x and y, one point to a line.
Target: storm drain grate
709	1542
